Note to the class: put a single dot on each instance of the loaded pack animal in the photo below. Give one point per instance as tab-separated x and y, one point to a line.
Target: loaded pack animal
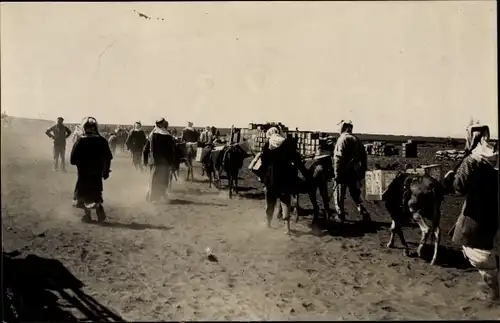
321	168
417	197
321	171
184	153
226	159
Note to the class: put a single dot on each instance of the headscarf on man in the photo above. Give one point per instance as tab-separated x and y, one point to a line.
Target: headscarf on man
89	126
190	126
345	126
161	126
274	137
477	143
137	126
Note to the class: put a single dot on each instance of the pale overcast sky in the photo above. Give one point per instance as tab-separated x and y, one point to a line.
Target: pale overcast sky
418	68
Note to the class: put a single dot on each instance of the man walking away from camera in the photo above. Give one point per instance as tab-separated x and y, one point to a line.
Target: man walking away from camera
159	155
280	162
92	158
59	133
350	164
135	143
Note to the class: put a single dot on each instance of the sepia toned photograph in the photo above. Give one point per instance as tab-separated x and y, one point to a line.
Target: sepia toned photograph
249	160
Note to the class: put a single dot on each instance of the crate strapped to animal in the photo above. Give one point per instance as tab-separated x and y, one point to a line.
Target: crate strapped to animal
377	181
256	164
199	154
435	170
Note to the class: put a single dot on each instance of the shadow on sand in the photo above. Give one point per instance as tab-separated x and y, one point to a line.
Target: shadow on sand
195	191
349	229
448	256
197	180
255	195
321	227
38	289
176	201
130	226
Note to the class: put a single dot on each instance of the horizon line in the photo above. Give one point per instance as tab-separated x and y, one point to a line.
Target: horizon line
300	130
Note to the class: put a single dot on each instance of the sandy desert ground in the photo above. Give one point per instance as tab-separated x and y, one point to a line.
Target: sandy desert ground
149	262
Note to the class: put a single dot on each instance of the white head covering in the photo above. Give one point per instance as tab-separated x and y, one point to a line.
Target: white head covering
89	123
137	126
477	143
275	138
343	124
475	134
272	131
159	128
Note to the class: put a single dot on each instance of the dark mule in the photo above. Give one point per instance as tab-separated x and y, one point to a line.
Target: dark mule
418	197
184	153
229	160
321	172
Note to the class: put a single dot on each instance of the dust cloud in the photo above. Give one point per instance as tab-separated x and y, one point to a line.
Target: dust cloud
27	164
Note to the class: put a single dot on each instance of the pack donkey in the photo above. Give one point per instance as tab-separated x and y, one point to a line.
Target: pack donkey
184	153
417	197
226	159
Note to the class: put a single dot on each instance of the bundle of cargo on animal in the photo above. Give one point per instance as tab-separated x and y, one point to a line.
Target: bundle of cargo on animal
451	154
377	180
380	148
256	133
307	142
326	145
320	167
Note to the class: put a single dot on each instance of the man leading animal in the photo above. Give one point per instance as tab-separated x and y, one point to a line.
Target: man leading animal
476	229
350	164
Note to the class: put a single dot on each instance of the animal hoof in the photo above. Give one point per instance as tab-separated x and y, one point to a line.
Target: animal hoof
390	245
433	262
419	251
406	252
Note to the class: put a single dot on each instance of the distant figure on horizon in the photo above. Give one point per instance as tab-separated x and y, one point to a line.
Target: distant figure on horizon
206	137
113	142
59	133
189	135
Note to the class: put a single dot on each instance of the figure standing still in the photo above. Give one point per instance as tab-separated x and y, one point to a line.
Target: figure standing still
159	155
136	141
350	164
92	157
59	133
